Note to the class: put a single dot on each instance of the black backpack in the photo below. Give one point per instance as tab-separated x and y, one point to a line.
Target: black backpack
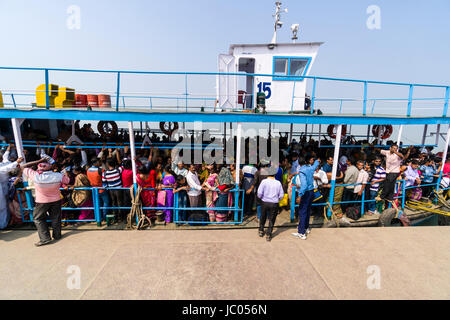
353	213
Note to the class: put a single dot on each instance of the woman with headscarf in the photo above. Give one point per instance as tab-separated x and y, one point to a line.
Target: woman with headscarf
82	198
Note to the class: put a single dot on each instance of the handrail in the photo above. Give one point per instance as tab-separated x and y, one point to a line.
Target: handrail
221	74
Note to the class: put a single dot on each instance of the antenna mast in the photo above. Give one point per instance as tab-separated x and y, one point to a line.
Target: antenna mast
278	23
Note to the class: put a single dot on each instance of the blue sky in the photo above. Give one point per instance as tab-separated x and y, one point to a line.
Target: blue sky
411	46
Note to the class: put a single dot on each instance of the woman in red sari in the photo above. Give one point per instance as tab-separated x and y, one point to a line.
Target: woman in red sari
147	179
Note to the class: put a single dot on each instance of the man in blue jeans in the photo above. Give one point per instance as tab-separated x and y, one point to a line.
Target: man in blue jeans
306	173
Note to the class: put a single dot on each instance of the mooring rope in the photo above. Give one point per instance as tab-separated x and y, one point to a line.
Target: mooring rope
136	210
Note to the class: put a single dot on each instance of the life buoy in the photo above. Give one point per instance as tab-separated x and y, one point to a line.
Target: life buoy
386	133
107	129
168	127
330	131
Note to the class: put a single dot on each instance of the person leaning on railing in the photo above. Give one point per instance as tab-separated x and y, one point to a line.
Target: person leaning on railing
83	197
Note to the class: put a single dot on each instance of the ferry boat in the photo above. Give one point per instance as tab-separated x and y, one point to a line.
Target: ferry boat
256	84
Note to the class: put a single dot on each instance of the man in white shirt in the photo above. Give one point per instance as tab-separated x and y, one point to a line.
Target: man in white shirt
195	191
363	178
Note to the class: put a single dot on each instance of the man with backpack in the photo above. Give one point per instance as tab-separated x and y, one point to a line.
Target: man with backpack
306	174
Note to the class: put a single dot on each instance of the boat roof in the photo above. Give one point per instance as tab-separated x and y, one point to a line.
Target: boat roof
260	45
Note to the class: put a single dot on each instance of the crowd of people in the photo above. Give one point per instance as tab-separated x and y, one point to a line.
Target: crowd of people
362	171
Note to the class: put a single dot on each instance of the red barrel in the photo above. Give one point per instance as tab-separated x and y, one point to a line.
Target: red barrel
104	101
92	100
81	100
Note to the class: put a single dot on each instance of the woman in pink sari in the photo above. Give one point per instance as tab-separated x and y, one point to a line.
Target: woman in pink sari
211	184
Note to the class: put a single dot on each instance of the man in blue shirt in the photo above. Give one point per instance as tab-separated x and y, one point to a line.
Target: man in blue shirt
306	173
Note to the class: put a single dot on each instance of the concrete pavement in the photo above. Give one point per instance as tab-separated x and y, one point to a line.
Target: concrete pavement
412	263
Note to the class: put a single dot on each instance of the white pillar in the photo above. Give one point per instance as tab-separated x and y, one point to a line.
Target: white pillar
238	151
335	164
425	129
444	156
399	137
133	150
336	153
18	136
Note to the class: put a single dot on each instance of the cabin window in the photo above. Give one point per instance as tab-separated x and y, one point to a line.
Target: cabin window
290	66
297	67
280	67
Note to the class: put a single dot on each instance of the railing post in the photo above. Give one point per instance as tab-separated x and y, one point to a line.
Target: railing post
447	94
365	98
403	194
411	87
362	199
47	98
293	95
176	213
186	90
97	213
236	205
293	203
313	97
118	91
13	100
444	157
335	164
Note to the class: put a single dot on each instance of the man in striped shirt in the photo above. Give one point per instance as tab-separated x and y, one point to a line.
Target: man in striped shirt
112	178
378	178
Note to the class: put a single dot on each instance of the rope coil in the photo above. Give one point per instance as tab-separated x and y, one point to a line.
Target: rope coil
143	222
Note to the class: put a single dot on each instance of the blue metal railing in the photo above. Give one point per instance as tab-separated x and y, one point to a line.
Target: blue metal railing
186	94
237	209
402	195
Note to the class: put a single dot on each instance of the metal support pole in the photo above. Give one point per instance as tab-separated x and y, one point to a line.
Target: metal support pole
365	98
399	137
438	130
133	150
18	137
238	152
290	133
118	91
447	94
293	203
186	91
335	164
320	133
97	213
425	129
313	95
47	98
368	132
411	88
13	100
444	157
133	156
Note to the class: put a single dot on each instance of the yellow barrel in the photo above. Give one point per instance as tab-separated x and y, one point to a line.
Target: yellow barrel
1	100
65	98
52	94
